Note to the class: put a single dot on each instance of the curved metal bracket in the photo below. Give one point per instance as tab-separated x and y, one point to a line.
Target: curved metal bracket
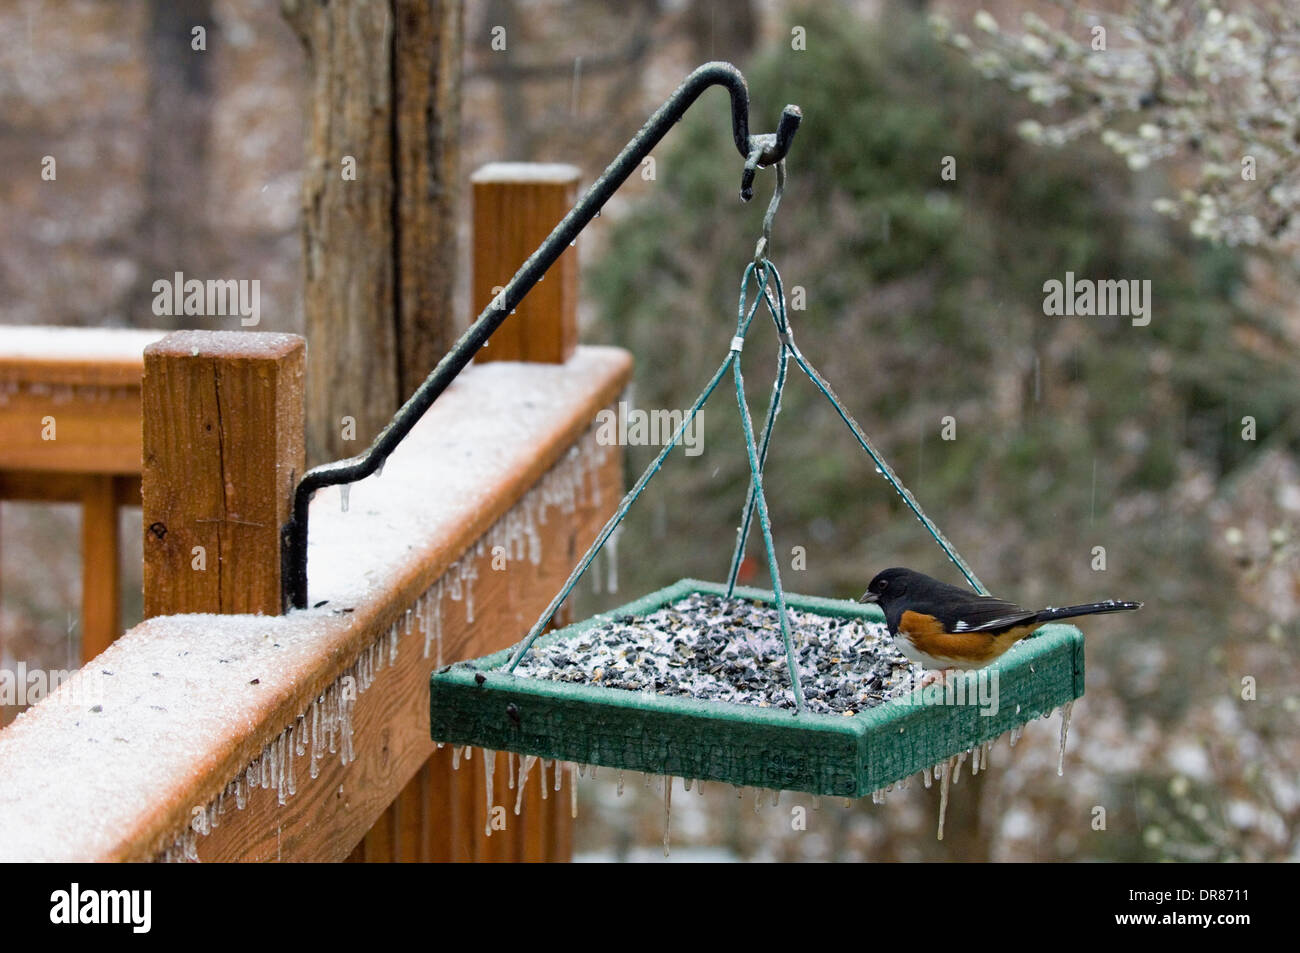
757	150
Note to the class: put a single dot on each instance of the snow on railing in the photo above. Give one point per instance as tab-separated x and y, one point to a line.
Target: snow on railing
70	433
286	737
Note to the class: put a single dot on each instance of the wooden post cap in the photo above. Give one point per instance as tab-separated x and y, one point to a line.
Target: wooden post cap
223	418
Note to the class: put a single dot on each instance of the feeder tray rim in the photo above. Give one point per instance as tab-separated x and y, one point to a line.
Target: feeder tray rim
743	744
489	666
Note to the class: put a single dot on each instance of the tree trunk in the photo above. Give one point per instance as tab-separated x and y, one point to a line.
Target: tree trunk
171	233
379	200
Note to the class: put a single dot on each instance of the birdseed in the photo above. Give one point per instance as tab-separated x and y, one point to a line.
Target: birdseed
730	650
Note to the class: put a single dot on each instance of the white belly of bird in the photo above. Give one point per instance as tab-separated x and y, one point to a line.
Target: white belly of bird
904	645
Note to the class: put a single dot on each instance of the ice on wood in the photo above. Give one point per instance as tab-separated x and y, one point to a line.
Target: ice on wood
64	344
180	684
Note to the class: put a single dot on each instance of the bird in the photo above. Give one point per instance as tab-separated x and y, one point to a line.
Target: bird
945	627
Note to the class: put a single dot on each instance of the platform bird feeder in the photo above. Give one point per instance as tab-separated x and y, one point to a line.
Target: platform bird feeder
886	731
478	703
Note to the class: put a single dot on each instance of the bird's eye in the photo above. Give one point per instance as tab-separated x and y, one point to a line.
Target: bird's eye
884	584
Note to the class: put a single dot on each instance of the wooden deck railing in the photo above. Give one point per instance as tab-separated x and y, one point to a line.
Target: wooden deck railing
70	433
222	736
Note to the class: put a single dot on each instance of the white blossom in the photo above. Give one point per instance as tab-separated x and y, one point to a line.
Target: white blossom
1214	85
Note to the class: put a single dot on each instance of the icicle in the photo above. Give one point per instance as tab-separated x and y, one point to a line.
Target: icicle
524	768
956	773
314	767
686	784
489	773
668	810
471	573
943	795
776	798
241	793
699	788
290	783
345	490
974	761
1066	711
758	799
620	784
1015	734
436	602
817	802
573	792
455	758
545	763
281	762
927	775
346	754
469	753
510	764
582	770
593	771
392	645
559	774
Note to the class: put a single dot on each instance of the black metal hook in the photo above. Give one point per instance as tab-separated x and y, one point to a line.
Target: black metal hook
757	150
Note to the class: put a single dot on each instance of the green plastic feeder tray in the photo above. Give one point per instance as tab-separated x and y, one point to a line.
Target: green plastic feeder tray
477	703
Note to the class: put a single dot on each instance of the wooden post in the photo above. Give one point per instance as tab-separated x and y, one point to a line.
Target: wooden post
516	205
101	592
223	450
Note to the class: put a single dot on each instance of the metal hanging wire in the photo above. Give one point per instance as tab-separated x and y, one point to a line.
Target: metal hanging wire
787	350
770	291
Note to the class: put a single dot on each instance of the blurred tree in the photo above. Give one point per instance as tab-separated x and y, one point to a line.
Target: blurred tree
1213	82
170	233
722	29
540	51
924	300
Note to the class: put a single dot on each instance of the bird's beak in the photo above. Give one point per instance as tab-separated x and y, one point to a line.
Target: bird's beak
869	596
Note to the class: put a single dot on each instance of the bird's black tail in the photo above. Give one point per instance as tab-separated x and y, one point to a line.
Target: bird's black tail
1091	608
